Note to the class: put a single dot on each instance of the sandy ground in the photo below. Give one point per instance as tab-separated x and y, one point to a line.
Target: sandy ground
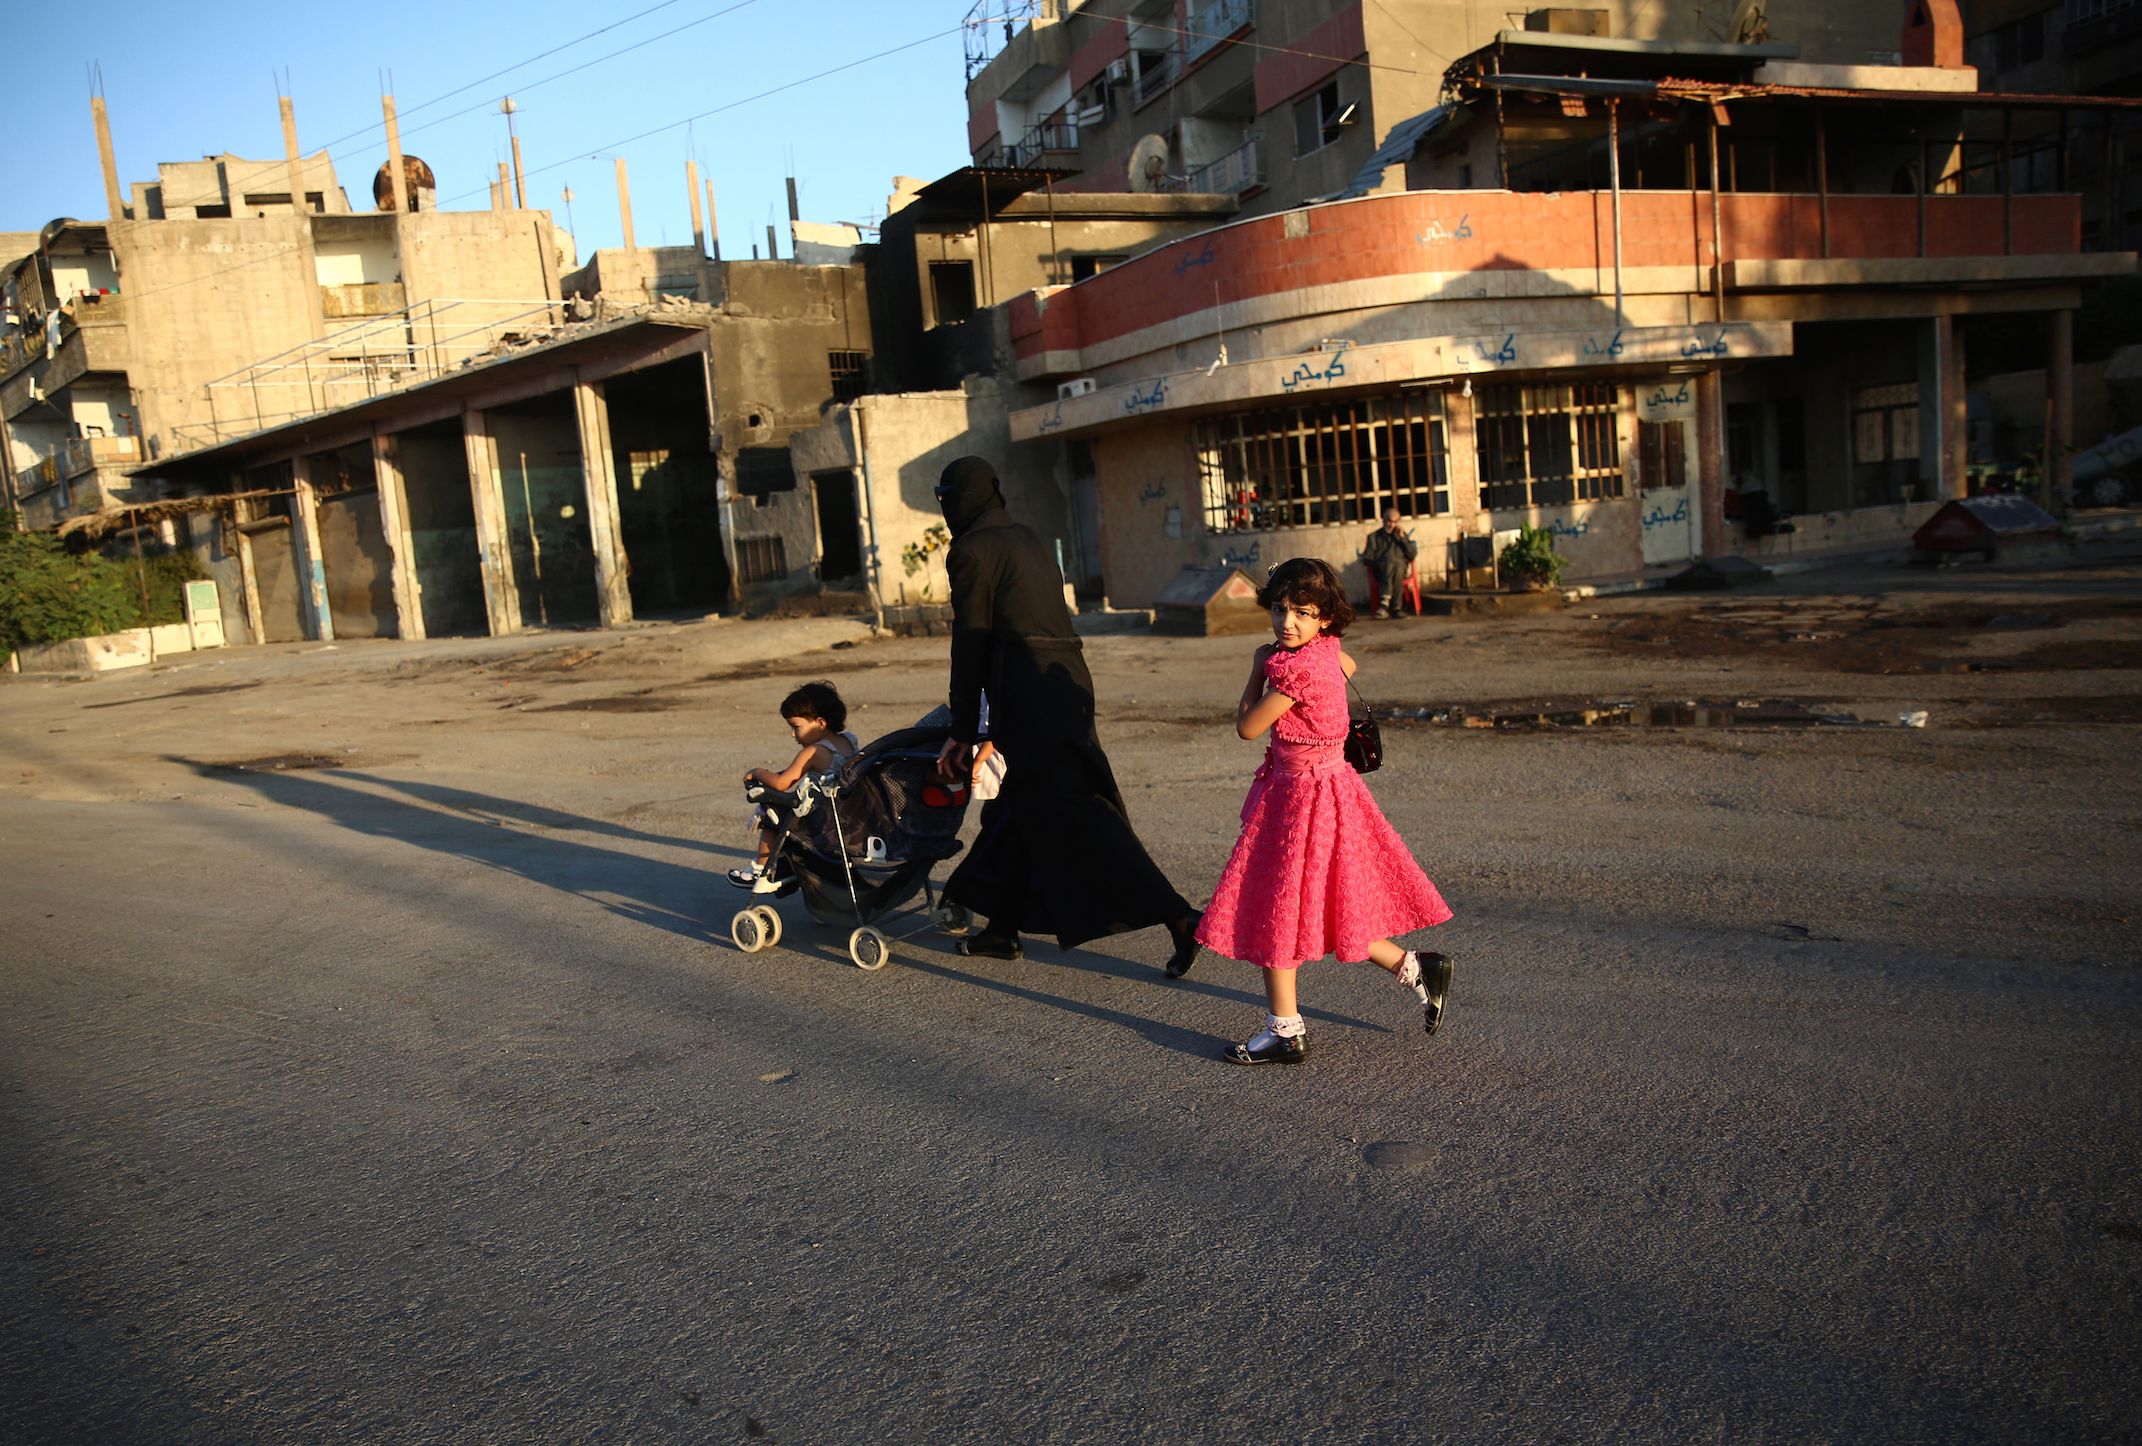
374	1064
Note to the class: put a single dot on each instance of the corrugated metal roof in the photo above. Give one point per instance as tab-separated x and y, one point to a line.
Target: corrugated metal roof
1396	147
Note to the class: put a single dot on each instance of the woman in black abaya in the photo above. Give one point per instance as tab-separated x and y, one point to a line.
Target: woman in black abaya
1057	854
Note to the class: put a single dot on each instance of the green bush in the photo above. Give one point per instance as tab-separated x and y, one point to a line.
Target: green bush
1531	554
49	594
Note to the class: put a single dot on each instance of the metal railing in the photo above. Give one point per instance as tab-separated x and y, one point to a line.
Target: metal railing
386	353
1156	72
1038	143
84	454
1231	174
1213	23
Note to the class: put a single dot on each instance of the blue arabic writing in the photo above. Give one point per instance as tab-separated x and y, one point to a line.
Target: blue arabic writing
1612	348
1435	234
1138	402
1053	420
1663	398
1562	528
1333	370
1153	492
1243	559
1716	347
1507	353
1203	258
1660	517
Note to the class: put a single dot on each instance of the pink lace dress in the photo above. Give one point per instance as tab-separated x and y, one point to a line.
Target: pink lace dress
1317	869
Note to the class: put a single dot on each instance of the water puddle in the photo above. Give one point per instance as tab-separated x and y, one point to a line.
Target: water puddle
1687	713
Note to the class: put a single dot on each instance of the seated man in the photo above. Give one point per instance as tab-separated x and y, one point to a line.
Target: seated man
1389	556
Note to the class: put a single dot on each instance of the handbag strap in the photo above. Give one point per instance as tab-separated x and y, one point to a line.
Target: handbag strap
1359	699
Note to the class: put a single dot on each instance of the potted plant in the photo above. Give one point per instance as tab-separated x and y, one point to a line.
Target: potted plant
1529	560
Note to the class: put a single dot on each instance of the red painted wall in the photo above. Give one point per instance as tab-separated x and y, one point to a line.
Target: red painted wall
1447	231
1284	75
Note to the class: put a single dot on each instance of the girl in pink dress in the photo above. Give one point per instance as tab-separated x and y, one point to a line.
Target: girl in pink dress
1317	870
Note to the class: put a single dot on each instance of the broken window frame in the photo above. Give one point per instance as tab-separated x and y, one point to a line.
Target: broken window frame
1325	464
848	374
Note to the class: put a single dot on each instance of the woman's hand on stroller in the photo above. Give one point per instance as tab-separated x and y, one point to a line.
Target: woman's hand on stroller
955	761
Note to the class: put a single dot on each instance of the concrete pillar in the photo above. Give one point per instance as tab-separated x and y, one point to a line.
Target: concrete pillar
113	202
312	569
598	470
2059	466
1711	463
401	547
1462	461
248	579
395	175
624	202
699	221
501	597
1943	445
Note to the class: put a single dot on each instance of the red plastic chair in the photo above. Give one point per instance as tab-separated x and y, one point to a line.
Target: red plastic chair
1408	591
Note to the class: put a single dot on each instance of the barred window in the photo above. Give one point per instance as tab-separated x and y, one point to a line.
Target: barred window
1336	462
761	559
850	371
1543	446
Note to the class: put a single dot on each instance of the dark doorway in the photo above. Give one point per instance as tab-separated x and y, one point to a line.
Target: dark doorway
353	545
537	444
668	503
840	527
442	530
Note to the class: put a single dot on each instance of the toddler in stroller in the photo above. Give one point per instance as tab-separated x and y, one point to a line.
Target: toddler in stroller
858	843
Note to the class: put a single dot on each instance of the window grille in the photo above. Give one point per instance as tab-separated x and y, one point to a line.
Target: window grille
760	559
850	372
1545	446
1323	465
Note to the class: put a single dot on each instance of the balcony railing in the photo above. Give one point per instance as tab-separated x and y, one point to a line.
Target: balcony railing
85	454
1039	143
1213	23
1239	170
1156	72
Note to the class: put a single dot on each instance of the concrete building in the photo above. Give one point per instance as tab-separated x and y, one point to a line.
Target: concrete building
1573	317
1280	102
213	304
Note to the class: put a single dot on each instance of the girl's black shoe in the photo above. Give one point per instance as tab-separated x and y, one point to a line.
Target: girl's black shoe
1265	1047
1435	978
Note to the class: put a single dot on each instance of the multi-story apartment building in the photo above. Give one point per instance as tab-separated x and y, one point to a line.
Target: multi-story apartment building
142	335
1280	102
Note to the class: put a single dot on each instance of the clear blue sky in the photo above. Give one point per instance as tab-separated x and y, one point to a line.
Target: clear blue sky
184	81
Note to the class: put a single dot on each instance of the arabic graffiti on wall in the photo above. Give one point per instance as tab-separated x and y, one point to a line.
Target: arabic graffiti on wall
1054	419
1506	353
1435	235
1243	560
1152	492
1660	517
1305	373
1203	258
1565	527
1612	348
1145	401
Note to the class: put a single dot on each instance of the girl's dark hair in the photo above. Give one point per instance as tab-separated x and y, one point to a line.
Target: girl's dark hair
818	701
1310	582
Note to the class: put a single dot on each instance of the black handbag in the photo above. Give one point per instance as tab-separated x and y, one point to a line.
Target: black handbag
1364	741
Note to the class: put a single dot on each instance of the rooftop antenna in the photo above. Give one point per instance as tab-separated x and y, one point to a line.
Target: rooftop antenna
567	196
1750	24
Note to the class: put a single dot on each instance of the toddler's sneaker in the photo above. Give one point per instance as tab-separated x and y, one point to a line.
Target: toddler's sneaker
748	877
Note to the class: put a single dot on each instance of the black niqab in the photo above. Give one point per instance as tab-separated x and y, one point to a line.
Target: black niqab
966	490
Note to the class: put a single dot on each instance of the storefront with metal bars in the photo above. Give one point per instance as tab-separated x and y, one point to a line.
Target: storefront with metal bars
1324	464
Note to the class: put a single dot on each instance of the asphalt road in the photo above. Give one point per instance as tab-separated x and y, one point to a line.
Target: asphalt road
413	1091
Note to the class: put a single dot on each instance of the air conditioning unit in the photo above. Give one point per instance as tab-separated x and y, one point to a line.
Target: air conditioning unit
1075	388
1119	71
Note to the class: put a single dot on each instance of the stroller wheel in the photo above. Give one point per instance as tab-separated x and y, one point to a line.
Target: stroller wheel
867	947
771	922
749	931
954	918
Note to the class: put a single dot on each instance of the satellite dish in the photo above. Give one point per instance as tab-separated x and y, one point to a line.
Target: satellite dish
1750	24
1149	163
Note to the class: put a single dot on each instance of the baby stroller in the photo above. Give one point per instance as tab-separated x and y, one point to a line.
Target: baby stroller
858	843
